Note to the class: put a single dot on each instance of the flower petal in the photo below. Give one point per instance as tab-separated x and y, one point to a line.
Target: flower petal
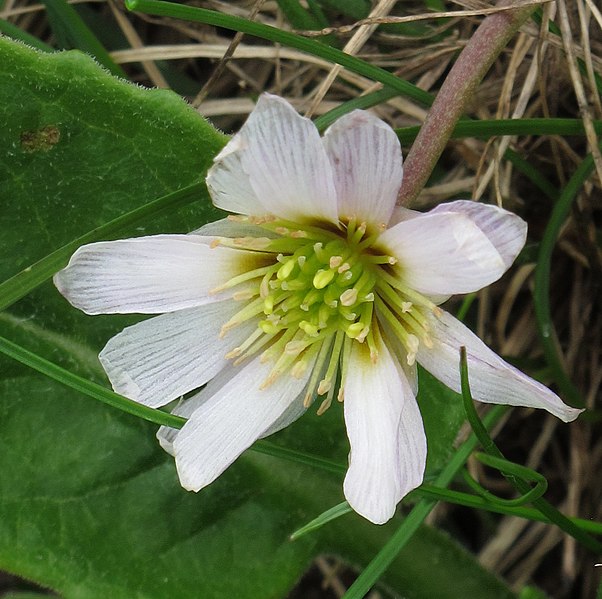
290	415
229	184
366	159
492	380
401	213
150	275
186	408
232	229
160	359
166	435
235	414
443	254
506	231
283	159
384	426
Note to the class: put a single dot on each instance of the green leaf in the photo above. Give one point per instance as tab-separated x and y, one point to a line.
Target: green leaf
92	507
77	138
443	415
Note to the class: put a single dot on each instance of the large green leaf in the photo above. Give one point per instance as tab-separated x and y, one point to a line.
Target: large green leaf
79	148
89	504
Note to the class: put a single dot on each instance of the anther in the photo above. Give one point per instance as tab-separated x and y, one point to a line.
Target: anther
324	386
354	330
285	270
322	278
348	297
243	295
335	261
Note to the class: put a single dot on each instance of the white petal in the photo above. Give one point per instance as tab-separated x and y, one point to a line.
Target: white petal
187	407
365	155
290	415
491	379
228	183
160	359
150	275
400	214
384	426
234	416
443	254
286	164
166	435
231	228
506	231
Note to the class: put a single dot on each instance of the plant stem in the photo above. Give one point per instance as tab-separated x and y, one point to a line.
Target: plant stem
456	92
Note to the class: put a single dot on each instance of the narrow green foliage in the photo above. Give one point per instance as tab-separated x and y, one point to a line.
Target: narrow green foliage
18	34
72	32
87	387
332	514
209	17
515	477
541	292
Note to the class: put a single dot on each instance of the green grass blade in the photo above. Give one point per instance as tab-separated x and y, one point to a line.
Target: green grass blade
541	292
15	33
210	17
71	30
27	280
87	387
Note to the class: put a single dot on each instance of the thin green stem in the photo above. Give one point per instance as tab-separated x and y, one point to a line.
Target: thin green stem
331	514
541	292
87	387
486	129
366	101
477	502
547	509
28	279
508	469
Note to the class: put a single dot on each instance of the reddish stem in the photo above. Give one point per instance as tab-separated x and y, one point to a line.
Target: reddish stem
457	90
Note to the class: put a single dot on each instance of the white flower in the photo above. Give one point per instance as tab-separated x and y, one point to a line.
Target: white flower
318	278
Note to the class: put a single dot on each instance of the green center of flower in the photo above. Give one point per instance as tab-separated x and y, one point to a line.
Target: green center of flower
321	291
321	288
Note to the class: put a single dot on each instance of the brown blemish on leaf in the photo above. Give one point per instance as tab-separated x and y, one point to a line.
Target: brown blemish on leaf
40	140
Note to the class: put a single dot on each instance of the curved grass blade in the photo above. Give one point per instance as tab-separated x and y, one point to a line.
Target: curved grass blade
217	19
23	282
